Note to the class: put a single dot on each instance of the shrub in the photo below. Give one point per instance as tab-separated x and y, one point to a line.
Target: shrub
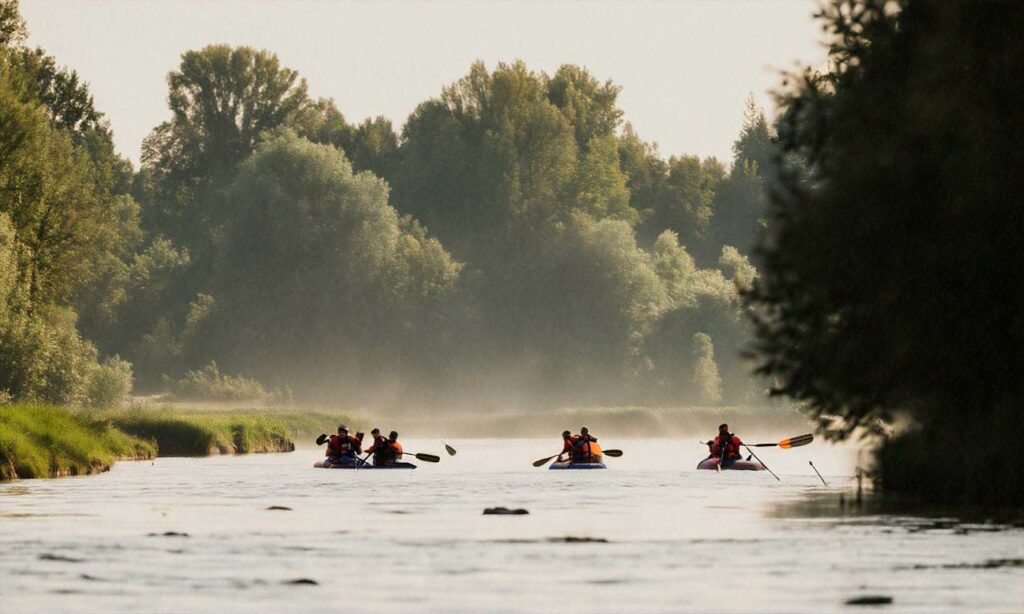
110	383
209	384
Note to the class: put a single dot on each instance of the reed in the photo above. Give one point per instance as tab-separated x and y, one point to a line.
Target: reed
199	434
38	441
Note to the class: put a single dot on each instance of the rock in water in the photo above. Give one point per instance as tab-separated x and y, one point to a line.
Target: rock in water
504	511
870	600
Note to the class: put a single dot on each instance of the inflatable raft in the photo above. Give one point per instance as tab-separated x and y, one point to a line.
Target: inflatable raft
326	465
571	465
736	465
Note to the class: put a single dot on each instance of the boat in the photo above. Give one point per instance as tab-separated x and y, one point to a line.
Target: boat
595	451
326	465
572	465
736	465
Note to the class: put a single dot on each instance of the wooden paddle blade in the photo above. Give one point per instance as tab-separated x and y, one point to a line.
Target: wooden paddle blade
543	461
321	439
451	450
428	458
612	453
796	442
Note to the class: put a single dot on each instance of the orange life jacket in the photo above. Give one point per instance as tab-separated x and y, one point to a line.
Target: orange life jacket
583	450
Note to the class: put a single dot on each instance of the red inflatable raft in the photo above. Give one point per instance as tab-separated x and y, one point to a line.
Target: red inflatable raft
736	465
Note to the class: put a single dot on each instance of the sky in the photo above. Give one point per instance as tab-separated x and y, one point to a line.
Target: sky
686	68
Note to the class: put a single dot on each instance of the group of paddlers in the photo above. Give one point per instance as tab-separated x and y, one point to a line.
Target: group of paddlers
581	448
346	449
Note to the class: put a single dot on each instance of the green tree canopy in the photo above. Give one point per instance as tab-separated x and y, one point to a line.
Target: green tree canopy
317	264
510	151
222	99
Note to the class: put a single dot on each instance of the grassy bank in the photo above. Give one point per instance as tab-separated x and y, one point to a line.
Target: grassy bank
182	433
38	441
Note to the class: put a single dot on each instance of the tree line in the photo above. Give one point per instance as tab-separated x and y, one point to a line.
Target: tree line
514	242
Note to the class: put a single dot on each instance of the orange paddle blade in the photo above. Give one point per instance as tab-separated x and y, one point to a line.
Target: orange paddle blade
796	442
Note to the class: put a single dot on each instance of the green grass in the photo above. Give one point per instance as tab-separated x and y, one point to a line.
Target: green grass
39	441
179	433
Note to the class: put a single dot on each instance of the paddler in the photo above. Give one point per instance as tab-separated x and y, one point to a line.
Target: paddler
343	449
583	450
727	441
386	451
567	440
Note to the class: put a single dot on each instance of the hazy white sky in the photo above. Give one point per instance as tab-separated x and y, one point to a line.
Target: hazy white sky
685	67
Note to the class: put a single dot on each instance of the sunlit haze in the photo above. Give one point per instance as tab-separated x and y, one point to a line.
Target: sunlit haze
686	68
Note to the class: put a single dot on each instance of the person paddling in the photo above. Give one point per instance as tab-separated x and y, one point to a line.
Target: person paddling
379	442
584	448
726	446
344	449
386	451
567	440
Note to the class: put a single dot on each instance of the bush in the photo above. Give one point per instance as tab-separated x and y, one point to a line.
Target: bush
110	383
208	384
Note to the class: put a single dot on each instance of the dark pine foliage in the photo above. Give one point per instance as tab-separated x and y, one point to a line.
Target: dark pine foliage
892	272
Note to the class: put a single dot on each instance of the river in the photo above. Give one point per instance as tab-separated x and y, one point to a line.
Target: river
650	534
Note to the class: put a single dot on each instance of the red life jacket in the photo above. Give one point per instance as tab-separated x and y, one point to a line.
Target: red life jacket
732	447
343	446
379	442
567	443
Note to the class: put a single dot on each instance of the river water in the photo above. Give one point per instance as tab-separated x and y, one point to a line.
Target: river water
649	534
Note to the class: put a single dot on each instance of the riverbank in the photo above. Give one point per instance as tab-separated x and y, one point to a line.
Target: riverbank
178	433
45	441
38	441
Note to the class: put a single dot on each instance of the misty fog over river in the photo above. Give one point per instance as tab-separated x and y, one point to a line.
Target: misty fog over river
650	534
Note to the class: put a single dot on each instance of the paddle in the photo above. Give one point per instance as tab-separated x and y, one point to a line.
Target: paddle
818	472
362	461
451	450
544	461
427	458
792	442
760	461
